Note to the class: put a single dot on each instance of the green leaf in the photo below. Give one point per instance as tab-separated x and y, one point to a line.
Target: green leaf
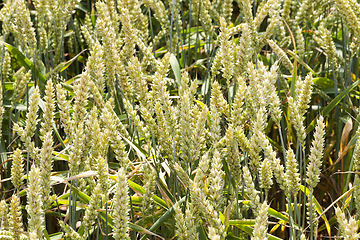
56	236
176	68
300	61
294	79
318	208
64	65
24	61
143	230
332	105
201	231
323	81
46	235
86	199
81	7
243	222
249	231
163	218
18	106
136	147
140	189
231	237
272	212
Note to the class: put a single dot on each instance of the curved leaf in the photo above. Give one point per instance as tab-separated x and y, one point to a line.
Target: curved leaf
24	61
332	105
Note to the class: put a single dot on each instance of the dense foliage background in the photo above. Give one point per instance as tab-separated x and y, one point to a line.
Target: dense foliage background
170	119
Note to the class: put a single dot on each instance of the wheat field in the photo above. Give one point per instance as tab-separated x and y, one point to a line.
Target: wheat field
179	119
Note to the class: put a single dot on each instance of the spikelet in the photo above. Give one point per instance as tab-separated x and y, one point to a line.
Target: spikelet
142	129
147	207
260	226
132	34
64	110
292	174
165	139
182	175
281	54
20	84
185	124
191	221
252	193
15	217
21	26
4	214
304	95
237	106
231	152
286	9
218	99
6	67
105	28
270	5
349	14
17	169
87	31
258	134
275	110
303	11
121	211
356	193
91	213
116	130
198	137
186	223
45	165
202	204
324	39
215	128
300	43
224	58
246	7
137	18
49	108
98	136
180	223
31	122
216	183
274	29
212	234
312	214
80	96
205	16
297	120
139	82
316	153
245	49
102	169
34	207
227	10
348	228
70	232
266	174
276	166
96	68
